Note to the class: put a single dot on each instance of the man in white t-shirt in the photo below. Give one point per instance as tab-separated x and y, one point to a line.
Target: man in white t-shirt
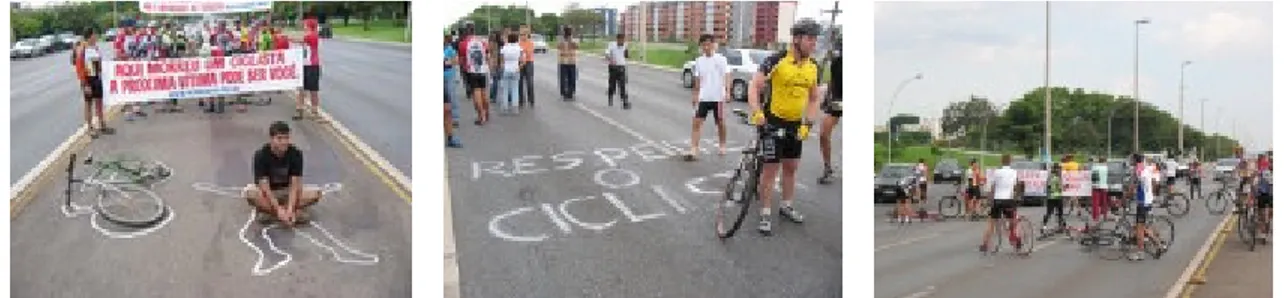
1100	187
1170	173
1003	187
1147	177
617	54
710	91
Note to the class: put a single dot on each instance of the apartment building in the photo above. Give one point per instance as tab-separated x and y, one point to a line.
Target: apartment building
739	23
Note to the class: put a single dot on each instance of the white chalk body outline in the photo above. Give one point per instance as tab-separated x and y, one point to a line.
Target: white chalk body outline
258	269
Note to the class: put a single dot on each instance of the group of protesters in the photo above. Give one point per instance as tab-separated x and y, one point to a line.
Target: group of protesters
163	40
495	69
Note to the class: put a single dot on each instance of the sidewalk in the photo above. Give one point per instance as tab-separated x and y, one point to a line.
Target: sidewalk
356	245
1234	271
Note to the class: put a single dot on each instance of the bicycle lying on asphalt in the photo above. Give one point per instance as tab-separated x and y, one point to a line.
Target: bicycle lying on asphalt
122	188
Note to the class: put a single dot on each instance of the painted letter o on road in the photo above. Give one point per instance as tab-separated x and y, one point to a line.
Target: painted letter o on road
601	178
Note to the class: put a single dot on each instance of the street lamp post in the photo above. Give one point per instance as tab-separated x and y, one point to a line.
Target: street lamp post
892	104
1181	109
1110	131
1047	69
1136	66
1203	142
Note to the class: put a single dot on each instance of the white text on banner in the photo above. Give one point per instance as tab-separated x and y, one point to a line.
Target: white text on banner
183	78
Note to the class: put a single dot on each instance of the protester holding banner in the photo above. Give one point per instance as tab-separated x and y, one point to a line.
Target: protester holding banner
89	69
1054	202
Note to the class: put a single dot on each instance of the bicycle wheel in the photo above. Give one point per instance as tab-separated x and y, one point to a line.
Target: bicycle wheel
949	207
1245	227
1252	232
1163	230
1025	233
1217	203
1178	204
1110	236
996	237
734	205
130	205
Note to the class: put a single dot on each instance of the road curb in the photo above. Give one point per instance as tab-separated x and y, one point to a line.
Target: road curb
451	262
1200	262
23	192
368	154
651	66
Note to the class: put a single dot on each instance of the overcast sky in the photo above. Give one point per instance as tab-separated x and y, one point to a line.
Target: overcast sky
808	8
996	50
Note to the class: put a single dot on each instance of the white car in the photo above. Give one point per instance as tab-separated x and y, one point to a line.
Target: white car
743	62
541	46
22	49
1225	168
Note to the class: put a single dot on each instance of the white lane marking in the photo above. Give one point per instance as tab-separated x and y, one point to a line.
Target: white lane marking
369	152
256	271
659	191
924	293
907	241
626	129
586	225
1180	284
1041	246
369	259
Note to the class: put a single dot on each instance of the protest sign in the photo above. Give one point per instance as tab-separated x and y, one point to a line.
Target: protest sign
185	78
203	7
1074	183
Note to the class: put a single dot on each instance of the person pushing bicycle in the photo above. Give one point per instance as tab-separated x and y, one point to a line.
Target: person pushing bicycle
1263	189
794	97
1003	190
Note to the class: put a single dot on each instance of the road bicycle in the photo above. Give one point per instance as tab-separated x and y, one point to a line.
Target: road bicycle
1220	199
128	169
1113	239
1248	224
1021	235
734	206
125	202
1177	203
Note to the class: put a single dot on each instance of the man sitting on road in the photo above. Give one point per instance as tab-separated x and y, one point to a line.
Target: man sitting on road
278	174
710	91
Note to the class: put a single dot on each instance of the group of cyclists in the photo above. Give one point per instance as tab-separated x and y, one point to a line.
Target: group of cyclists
790	80
1148	178
165	39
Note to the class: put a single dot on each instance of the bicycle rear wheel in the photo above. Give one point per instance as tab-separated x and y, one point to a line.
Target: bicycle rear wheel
1217	203
734	204
1163	230
1178	204
949	206
1245	227
1025	233
1109	239
130	205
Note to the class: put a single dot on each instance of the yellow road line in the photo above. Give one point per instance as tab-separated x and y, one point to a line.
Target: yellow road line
19	202
1199	277
365	160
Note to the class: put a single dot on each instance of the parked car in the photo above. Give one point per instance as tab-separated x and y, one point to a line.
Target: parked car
1117	172
541	45
1225	168
894	181
947	170
68	40
38	48
23	49
743	63
110	34
45	45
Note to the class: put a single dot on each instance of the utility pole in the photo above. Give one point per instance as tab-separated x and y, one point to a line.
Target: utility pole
833	36
1203	142
1047	70
646	31
1181	109
407	38
298	15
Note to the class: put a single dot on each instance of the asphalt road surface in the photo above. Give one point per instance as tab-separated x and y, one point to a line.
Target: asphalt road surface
940	259
356	245
366	86
580	199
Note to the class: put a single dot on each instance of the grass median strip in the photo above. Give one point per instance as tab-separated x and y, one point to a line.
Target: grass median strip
381	30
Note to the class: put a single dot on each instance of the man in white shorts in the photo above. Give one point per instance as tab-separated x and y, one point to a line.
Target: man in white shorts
712	80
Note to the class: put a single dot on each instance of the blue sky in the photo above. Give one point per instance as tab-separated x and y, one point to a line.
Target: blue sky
996	50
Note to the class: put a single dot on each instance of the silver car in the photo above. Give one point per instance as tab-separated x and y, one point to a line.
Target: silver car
541	45
22	49
743	62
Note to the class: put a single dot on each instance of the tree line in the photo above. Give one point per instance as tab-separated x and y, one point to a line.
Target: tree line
75	16
1081	123
493	18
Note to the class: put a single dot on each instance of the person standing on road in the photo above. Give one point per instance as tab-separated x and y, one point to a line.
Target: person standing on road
88	64
713	81
1147	178
475	71
1170	174
311	71
834	111
527	88
511	58
616	55
794	98
451	57
1100	188
451	140
975	177
497	42
1003	191
1055	202
566	73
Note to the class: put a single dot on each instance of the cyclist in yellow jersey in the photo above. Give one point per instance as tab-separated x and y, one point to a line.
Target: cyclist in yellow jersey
794	97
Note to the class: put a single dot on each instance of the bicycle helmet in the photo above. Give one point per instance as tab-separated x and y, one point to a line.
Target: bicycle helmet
805	27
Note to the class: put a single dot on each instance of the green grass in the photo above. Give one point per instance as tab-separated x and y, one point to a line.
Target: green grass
664	56
381	30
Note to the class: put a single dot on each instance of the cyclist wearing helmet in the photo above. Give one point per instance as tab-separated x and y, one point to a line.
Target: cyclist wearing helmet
1262	194
791	78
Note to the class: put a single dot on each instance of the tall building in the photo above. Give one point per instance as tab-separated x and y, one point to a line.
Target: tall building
610	22
738	23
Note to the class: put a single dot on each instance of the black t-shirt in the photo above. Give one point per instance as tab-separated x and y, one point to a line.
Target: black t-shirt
836	78
277	169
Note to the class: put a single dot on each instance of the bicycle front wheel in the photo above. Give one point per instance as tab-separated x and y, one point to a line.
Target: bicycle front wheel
1217	203
949	206
130	205
734	205
1164	231
1178	204
1109	239
1245	226
1025	232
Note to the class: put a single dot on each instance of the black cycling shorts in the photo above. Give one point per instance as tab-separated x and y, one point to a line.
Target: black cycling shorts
311	77
474	81
973	192
1143	211
705	107
1171	181
780	141
1003	209
95	88
1264	200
